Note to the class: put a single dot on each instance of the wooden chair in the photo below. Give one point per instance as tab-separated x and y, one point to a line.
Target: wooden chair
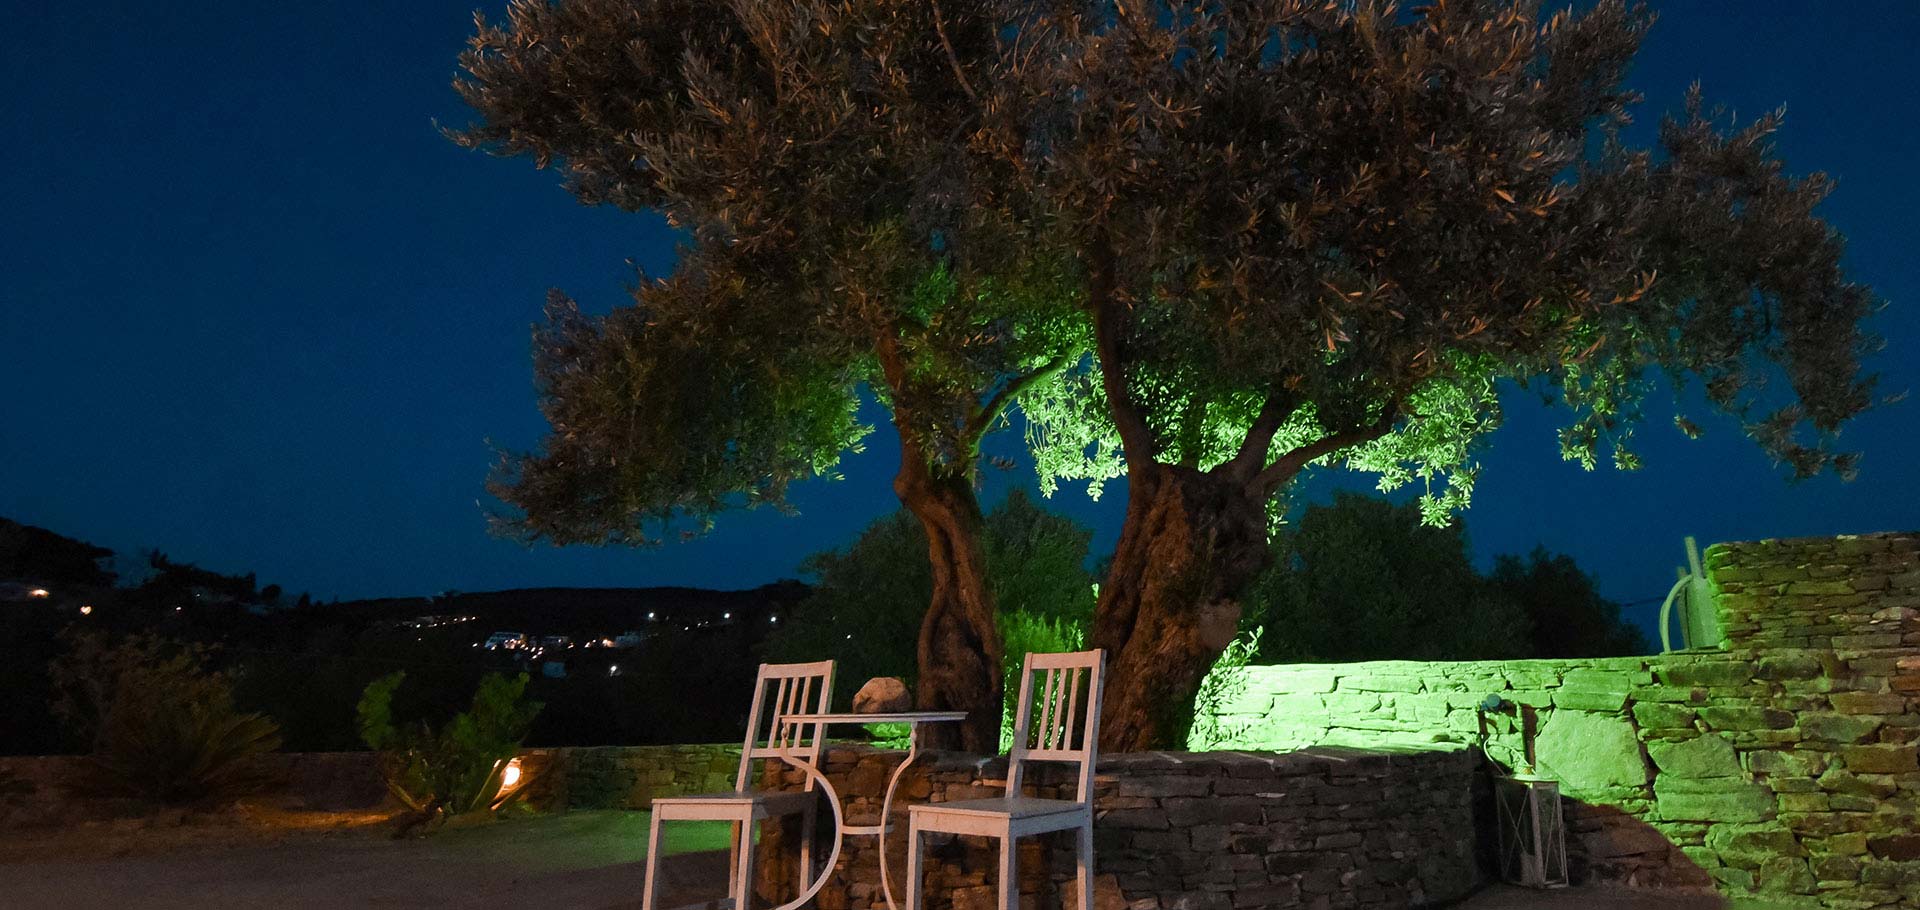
791	689
1068	731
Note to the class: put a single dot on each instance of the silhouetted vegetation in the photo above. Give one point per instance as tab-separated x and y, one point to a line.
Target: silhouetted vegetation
1364	579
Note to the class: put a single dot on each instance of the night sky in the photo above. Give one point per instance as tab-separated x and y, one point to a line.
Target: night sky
257	312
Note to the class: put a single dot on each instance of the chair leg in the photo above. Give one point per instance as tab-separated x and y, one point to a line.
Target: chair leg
743	876
808	822
1084	834
1009	875
914	885
651	886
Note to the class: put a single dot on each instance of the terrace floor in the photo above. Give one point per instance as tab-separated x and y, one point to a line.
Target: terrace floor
575	859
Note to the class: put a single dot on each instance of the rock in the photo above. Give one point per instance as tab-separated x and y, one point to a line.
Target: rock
1838	728
1106	893
1750	846
1880	759
1587	752
1899	848
1717	799
1705	756
882	695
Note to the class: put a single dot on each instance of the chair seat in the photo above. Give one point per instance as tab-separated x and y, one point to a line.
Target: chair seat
1010	807
762	802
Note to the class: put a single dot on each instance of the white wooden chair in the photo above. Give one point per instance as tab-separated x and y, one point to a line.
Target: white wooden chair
778	690
1068	731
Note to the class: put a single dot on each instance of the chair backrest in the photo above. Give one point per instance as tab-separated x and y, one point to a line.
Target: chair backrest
780	690
1061	722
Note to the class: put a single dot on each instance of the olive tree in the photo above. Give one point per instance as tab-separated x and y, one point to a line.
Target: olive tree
1203	245
813	156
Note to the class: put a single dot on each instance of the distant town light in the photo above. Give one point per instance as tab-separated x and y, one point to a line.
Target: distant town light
86	609
38	592
726	616
773	619
653	615
613	669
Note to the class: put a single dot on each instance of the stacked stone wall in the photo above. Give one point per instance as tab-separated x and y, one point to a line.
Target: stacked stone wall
1784	765
1326	827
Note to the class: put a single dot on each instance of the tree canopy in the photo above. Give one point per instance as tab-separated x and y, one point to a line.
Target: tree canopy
1203	245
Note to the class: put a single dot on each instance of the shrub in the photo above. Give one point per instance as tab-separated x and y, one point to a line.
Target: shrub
1226	681
458	768
160	725
1023	633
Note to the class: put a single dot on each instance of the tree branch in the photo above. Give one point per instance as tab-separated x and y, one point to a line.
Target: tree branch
940	26
1253	449
1136	440
1293	462
984	418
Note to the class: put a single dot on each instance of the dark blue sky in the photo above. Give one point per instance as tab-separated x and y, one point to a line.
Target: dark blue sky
255	311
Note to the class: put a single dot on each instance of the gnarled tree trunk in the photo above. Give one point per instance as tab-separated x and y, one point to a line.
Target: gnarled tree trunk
1192	543
959	648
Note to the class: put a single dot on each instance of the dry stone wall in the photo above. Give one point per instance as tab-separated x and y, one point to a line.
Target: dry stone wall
1326	827
1783	766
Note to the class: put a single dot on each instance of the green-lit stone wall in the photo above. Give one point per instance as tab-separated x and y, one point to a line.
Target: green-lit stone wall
1784	765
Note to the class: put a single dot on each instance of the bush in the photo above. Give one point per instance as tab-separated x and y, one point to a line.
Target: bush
160	725
1024	633
1223	683
458	768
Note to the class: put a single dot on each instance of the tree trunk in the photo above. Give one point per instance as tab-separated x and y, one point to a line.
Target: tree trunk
1192	543
959	647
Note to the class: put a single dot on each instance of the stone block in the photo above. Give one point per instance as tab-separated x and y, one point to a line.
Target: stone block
1751	846
1661	715
1838	728
1745	718
1868	703
1602	702
1683	672
1899	848
1880	759
1722	799
1705	756
1587	751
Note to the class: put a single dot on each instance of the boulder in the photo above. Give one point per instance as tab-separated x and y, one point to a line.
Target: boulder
882	695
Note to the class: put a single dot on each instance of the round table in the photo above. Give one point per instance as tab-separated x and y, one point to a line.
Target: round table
913	719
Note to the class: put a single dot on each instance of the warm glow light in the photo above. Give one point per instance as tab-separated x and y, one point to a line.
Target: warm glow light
510	776
86	609
38	592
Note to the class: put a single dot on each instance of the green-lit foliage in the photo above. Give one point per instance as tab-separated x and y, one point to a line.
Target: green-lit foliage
1225	682
1315	205
457	768
160	724
1037	562
1032	633
810	155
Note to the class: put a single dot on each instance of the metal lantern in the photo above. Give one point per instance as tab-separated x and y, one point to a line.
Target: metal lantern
1533	835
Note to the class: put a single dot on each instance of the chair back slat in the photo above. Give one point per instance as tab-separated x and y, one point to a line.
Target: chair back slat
1068	728
780	690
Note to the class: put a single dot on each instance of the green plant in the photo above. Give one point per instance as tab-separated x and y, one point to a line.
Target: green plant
1222	684
1030	633
458	768
161	726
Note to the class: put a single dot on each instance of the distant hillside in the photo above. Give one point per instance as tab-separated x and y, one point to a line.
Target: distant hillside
583	611
28	553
